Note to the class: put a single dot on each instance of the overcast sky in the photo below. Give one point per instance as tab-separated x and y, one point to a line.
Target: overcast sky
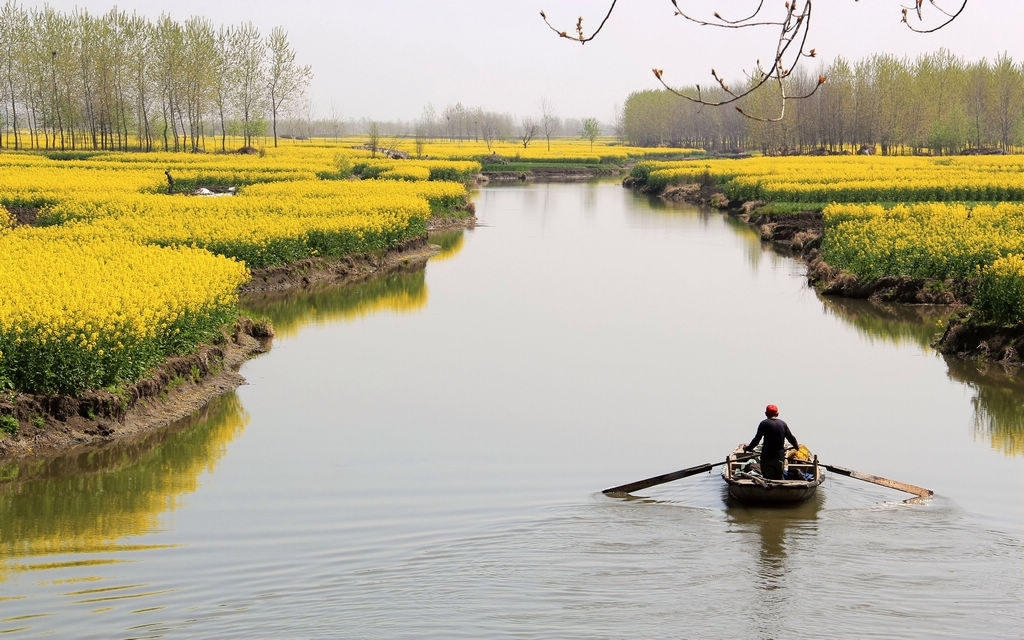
385	60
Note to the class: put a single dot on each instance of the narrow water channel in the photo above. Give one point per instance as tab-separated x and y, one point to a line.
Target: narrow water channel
421	456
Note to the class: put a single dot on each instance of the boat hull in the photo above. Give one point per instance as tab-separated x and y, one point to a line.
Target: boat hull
753	489
774	493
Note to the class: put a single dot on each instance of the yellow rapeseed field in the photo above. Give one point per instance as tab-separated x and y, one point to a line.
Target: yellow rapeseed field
82	309
850	178
124	274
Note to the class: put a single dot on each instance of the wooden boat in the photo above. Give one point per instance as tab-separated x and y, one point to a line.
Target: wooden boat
747	486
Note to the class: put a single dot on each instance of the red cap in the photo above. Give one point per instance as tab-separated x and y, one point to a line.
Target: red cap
771	411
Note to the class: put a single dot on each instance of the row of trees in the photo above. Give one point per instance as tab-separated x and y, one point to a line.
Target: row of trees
458	122
119	81
936	103
455	122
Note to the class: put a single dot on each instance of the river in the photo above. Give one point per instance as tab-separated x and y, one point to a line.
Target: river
421	456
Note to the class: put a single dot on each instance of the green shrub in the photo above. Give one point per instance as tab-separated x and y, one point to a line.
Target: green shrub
343	164
641	172
451	174
368	171
8	425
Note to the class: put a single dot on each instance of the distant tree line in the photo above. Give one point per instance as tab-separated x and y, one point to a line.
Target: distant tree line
460	122
936	103
121	82
453	123
456	122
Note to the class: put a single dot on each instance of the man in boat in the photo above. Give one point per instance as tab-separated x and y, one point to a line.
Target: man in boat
775	432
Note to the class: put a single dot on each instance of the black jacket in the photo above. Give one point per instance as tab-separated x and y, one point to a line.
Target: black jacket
774	432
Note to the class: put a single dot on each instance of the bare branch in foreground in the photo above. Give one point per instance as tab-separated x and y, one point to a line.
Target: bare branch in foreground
791	46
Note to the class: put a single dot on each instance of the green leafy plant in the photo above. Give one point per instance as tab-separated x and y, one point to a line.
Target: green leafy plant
7	388
8	425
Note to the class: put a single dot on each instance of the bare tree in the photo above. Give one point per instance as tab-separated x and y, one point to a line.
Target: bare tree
489	129
527	131
373	139
455	120
419	139
336	125
428	122
793	24
548	120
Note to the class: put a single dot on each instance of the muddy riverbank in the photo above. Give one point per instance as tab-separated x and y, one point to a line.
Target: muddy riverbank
182	384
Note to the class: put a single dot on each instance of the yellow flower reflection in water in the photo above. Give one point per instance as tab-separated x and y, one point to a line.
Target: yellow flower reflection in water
451	243
289	311
84	502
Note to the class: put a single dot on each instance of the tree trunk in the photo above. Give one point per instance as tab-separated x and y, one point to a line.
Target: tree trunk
223	131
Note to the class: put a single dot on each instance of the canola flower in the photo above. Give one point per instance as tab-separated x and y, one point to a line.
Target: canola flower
86	309
388	169
260	231
411	173
121	275
441	196
849	178
40	184
562	150
935	240
923	240
1000	295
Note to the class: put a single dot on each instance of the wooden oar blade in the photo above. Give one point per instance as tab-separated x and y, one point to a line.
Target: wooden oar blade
662	479
885	482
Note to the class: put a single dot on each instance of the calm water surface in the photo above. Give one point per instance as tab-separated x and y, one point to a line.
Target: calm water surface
421	456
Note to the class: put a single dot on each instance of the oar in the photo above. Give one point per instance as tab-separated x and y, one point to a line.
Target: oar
885	482
669	477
